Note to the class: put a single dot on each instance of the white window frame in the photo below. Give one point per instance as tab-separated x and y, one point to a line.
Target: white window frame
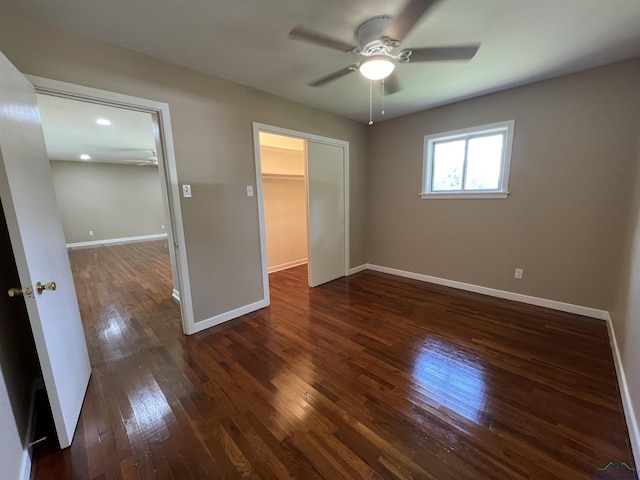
503	184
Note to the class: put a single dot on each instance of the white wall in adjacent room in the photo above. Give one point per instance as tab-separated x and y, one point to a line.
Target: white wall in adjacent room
111	200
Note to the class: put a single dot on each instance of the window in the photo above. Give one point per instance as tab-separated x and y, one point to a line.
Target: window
469	163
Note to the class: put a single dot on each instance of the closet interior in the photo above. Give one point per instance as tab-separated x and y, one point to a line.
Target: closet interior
284	184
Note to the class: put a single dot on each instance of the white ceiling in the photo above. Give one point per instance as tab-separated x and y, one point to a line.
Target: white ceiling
245	41
70	130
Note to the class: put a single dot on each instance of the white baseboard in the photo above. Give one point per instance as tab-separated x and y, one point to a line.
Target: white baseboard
176	295
284	266
493	292
224	317
357	269
629	413
108	241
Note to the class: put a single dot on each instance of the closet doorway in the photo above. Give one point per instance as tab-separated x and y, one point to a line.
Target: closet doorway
284	194
302	189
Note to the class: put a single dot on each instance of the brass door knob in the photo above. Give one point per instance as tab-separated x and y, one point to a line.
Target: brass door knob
47	286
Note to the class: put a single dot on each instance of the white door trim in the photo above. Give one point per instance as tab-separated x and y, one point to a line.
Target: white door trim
261	127
166	167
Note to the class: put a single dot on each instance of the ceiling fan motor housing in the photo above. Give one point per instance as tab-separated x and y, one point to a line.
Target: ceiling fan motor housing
370	36
377	38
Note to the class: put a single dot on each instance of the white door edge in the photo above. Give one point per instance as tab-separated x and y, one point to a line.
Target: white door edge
166	167
262	127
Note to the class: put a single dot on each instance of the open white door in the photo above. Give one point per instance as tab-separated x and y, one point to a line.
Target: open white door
31	210
325	174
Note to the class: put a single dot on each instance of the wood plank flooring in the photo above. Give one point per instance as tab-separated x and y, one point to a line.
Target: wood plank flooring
370	376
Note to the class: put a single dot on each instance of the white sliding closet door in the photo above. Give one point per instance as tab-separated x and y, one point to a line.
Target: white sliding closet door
325	174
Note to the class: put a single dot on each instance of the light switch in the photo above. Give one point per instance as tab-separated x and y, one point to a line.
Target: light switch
186	191
249	190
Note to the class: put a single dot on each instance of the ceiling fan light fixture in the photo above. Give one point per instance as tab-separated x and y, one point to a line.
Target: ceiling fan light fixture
377	67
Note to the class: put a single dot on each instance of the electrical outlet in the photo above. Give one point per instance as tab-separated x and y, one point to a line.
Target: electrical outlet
91	233
163	227
186	191
518	274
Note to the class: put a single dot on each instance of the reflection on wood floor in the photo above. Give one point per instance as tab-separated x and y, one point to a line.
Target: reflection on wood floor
370	376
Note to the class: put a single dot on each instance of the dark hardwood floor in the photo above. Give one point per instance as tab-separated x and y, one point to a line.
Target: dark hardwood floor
370	376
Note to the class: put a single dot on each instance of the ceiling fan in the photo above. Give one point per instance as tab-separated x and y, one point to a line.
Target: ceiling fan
376	38
151	159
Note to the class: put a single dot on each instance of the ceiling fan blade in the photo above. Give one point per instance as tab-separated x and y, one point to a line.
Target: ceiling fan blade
321	82
439	54
142	163
403	23
147	161
308	36
392	84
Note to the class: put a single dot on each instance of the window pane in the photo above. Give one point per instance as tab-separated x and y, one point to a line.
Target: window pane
448	162
484	161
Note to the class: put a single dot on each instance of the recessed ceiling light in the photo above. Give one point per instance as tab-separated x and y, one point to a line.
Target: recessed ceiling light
84	156
103	121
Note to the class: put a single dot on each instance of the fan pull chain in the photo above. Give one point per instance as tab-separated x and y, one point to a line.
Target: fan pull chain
382	96
370	102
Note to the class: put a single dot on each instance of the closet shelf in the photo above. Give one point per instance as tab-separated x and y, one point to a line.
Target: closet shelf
291	176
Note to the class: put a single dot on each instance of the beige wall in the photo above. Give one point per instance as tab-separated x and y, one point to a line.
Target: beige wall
574	146
114	201
212	130
625	311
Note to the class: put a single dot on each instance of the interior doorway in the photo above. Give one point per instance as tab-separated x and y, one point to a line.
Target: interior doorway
104	163
284	194
302	188
37	239
156	153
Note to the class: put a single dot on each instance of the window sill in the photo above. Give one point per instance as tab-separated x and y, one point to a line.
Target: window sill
465	196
